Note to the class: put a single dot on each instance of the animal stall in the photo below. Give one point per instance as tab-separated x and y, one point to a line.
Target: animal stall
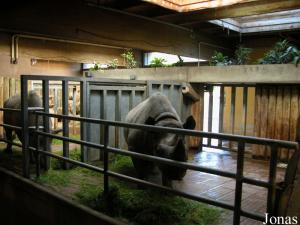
112	100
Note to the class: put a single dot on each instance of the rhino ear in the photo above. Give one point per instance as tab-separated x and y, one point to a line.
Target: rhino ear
190	123
150	121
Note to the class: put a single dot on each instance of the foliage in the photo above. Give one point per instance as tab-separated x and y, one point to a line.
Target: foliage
126	201
158	62
179	62
55	178
96	67
242	55
147	207
57	164
282	53
129	59
113	64
218	59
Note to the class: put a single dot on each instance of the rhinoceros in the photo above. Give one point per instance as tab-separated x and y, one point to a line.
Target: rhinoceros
157	110
14	118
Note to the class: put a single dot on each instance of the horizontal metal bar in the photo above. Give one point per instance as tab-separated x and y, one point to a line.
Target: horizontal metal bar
19	110
10	110
78	163
230	137
256	182
35	108
173	191
10	142
143	156
254	216
10	126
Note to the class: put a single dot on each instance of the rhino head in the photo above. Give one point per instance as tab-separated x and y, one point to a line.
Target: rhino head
171	146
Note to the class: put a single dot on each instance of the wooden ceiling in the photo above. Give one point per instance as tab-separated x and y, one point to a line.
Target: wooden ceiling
201	20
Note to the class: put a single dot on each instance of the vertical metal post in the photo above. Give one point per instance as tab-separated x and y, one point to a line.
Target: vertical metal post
65	101
221	113
25	130
105	158
83	113
239	183
37	154
210	112
202	104
46	159
103	115
118	118
272	180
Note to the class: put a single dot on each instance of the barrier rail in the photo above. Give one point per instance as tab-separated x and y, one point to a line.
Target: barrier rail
240	179
270	184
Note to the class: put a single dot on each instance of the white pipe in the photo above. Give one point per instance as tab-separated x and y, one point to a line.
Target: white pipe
15	44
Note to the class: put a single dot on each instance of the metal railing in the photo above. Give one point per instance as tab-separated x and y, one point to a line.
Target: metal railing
270	184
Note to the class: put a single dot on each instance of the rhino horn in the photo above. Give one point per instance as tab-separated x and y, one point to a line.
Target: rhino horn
56	131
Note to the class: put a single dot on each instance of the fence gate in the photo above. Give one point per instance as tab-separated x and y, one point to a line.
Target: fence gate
112	100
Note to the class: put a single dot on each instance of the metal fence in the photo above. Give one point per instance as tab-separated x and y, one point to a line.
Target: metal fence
106	149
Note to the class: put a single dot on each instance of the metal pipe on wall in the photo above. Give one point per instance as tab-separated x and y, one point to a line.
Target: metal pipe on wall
16	37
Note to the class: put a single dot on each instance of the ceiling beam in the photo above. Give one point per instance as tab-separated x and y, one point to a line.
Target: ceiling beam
238	10
100	25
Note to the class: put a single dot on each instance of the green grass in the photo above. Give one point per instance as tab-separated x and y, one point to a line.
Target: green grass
60	142
55	178
129	203
58	164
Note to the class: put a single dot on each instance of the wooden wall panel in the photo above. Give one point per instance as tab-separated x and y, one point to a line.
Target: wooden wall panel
276	112
257	124
271	116
294	114
286	120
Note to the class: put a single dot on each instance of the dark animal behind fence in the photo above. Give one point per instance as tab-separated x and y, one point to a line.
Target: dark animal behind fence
157	110
14	118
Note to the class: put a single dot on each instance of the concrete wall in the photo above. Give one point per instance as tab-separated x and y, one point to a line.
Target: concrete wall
53	58
26	203
280	73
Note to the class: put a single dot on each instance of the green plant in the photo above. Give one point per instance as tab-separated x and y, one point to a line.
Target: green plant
242	55
113	64
282	53
96	67
179	62
127	201
218	59
158	62
129	59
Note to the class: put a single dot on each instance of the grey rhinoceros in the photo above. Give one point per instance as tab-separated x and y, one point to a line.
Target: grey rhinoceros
14	118
157	110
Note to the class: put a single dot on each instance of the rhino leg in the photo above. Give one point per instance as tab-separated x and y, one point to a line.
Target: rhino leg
166	181
9	137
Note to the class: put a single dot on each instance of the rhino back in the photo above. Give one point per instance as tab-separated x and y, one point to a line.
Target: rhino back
14	102
154	106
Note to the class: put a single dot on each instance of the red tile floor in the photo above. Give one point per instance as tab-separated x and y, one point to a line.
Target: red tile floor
254	199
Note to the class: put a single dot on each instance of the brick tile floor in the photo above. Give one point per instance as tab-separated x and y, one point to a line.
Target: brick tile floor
254	198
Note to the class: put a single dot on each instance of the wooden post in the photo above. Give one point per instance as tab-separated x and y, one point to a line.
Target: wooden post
232	113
